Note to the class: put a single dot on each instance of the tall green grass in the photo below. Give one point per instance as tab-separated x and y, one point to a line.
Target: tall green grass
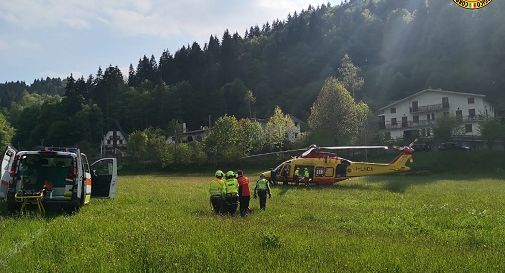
161	223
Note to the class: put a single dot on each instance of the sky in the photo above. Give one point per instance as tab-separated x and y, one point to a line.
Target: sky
53	38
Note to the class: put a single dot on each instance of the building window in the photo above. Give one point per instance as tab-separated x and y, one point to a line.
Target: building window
120	141
471	100
405	122
415	106
445	102
393	110
428	117
433	116
471	113
468	128
109	141
415	119
393	121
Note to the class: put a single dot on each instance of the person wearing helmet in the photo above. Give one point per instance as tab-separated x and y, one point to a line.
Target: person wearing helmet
217	191
244	193
273	176
231	197
296	177
261	189
306	176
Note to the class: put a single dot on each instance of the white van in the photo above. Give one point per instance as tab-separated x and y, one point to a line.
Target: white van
63	174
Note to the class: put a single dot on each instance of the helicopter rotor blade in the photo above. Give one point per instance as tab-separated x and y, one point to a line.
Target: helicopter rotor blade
273	153
398	147
354	147
307	152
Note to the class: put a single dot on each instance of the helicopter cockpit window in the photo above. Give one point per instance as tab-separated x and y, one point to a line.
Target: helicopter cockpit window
279	168
284	170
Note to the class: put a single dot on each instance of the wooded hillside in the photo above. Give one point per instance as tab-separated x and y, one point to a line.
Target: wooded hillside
401	47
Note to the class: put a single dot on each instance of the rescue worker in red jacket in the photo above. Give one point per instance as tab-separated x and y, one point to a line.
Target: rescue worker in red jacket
244	193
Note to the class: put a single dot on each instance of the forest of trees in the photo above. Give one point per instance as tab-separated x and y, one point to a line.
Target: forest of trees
400	46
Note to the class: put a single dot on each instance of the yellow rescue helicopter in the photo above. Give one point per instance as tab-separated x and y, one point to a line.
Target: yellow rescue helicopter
317	165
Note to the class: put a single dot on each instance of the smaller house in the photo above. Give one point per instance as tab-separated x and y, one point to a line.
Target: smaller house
189	136
297	132
293	135
114	143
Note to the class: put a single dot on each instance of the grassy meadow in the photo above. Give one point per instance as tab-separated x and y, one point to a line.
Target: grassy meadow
163	223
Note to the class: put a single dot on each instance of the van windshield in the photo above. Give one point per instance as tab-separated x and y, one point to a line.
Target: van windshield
37	170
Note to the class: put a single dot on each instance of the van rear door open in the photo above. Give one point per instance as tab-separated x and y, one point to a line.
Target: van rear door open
7	161
103	178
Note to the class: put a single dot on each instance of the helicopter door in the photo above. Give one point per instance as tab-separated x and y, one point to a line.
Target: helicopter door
103	178
341	170
8	158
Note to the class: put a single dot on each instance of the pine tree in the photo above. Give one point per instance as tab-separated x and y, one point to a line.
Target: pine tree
132	76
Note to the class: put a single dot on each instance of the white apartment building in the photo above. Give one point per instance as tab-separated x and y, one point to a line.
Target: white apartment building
416	115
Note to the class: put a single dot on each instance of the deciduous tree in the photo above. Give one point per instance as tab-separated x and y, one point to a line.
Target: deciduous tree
335	111
278	129
6	131
223	141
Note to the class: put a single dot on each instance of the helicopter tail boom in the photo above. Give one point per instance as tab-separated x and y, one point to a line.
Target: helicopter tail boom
399	164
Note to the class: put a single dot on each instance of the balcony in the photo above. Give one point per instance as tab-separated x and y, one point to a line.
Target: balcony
427	123
430	108
408	124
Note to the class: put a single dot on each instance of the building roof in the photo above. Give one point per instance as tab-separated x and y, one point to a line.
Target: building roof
431	90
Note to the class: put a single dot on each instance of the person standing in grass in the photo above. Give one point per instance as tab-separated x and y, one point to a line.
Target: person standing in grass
217	191
273	177
262	189
231	197
306	177
285	175
244	193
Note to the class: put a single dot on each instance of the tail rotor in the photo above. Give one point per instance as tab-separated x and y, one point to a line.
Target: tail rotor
408	147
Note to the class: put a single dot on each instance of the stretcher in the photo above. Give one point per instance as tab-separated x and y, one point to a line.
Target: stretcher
33	198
